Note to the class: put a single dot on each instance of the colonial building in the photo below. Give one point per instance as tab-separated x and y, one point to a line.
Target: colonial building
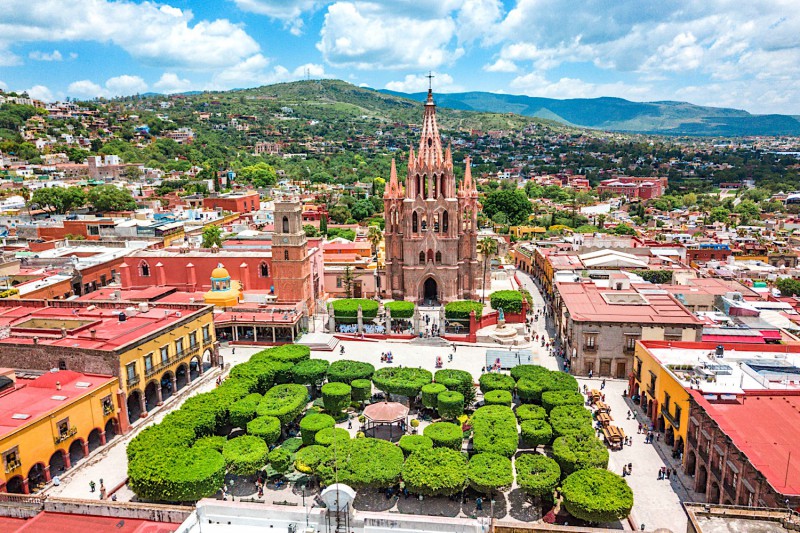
431	228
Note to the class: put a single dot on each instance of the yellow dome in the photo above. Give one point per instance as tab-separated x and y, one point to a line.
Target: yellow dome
220	273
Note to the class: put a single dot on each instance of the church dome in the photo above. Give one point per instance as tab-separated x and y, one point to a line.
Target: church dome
220	273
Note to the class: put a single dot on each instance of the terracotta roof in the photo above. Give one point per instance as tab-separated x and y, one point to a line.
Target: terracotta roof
386	412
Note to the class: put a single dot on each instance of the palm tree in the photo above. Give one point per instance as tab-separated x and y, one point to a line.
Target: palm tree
374	236
487	247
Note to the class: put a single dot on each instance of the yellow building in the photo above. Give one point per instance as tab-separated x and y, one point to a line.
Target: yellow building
50	422
224	291
527	232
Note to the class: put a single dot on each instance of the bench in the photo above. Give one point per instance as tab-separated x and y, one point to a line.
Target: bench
251	500
286	502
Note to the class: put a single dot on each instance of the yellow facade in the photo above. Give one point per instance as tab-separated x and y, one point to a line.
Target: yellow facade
526	232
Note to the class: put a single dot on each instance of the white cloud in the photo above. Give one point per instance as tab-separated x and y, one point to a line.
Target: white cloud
40	92
3	85
477	19
501	65
7	57
124	85
289	11
535	84
85	89
255	71
170	83
413	83
37	55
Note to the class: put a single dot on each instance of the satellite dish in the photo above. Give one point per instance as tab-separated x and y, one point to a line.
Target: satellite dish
337	497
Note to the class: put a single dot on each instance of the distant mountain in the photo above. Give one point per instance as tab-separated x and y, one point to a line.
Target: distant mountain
617	114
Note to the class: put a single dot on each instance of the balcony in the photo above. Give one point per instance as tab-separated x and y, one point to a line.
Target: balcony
71	432
730	491
133	380
12	465
671	419
162	365
701	451
692	439
589	349
716	472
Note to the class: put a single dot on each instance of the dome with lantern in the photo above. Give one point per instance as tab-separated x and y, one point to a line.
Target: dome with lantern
224	291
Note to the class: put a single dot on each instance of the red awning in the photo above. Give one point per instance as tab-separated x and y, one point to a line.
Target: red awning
771	334
740	339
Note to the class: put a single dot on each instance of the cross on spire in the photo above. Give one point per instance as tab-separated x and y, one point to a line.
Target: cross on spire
430	77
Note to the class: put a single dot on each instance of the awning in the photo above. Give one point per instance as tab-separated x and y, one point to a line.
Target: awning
755	339
771	334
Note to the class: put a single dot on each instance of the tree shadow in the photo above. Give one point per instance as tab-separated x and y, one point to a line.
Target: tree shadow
430	505
523	507
373	500
470	507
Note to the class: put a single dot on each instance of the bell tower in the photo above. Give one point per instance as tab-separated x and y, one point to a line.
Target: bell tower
291	268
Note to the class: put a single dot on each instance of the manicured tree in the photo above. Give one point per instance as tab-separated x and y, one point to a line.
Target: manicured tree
537	475
450	404
529	411
267	428
245	455
495	381
494	429
285	402
437	472
445	435
336	397
244	410
310	372
528	371
362	463
488	473
571	420
182	474
400	309
288	353
362	390
575	453
459	381
345	371
597	495
530	390
346	309
562	381
280	460
414	443
312	423
325	437
405	381
309	458
498	397
509	300
430	394
536	433
214	442
557	398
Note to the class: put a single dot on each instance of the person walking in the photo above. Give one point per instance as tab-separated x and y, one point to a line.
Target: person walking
603	384
91	486
479	503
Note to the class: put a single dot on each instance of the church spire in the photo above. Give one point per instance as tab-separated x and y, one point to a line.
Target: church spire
393	189
467	186
430	143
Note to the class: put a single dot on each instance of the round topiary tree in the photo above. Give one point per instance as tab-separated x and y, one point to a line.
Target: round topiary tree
326	437
414	443
557	398
280	460
450	404
459	381
530	390
445	435
496	381
361	390
498	397
440	471
176	474
528	371
573	453
488	473
284	402
345	371
494	429
287	353
362	463
536	433
309	458
430	394
537	475
244	410
245	455
346	309
597	495
214	442
310	372
405	381
312	423
400	309
571	420
510	301
267	428
336	397
529	411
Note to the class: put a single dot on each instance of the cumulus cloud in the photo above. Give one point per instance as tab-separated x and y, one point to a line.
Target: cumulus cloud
85	89
501	65
37	55
256	70
124	85
40	92
170	83
536	84
289	11
413	83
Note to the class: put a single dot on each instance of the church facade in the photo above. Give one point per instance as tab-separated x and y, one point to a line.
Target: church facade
431	225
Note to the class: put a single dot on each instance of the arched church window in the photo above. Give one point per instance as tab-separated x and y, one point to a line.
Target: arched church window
425	186
286	255
144	269
422	257
445	222
430	256
435	186
424	223
442	192
418	190
263	269
438	257
286	224
414	222
436	222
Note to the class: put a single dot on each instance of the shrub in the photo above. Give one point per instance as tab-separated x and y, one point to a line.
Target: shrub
537	475
557	398
430	394
214	442
159	437
346	309
336	397
267	428
510	301
313	422
571	420
440	471
450	404
459	381
488	473
445	435
529	411
288	353
415	443
528	371
310	372
280	460
400	308
575	453
498	397
597	495
284	402
262	374
363	463
495	430
536	433
245	455
326	437
292	445
346	371
403	381
494	381
361	390
244	410
414	422
308	459
460	310
176	474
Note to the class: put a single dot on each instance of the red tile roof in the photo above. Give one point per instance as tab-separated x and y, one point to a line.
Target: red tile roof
47	522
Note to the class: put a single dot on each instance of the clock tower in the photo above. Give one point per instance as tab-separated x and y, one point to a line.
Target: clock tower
291	267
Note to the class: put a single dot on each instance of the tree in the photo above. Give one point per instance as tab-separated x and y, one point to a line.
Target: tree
597	495
362	209
624	229
323	225
340	214
59	199
719	214
788	286
212	235
110	198
259	175
310	230
487	247
348	280
374	236
747	211
514	203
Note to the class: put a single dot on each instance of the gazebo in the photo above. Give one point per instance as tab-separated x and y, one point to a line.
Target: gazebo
385	414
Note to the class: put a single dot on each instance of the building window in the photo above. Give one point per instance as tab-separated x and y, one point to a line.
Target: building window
286	224
11	459
94	230
192	339
630	342
678	413
62	365
338	282
179	347
263	270
108	405
414	222
673	337
590	342
445	222
130	369
144	269
438	257
422	258
164	354
206	333
286	255
148	362
63	427
666	402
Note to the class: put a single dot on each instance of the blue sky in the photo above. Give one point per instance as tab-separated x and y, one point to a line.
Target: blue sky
711	52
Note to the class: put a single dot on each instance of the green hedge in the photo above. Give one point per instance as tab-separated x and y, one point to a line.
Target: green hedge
571	420
346	310
450	404
400	308
312	423
597	495
175	475
309	458
264	374
336	397
557	398
528	371
536	433
440	471
346	371
310	372
488	473
404	381
325	437
510	301
533	384
495	381
415	443
267	428
362	463
494	430
454	379
445	435
529	411
460	310
537	475
361	390
430	394
244	410
284	402
245	455
215	442
287	353
498	397
280	460
575	453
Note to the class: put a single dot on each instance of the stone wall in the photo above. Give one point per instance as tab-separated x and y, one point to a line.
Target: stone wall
144	511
